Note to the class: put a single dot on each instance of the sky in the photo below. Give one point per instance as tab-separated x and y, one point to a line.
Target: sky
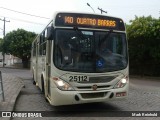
125	9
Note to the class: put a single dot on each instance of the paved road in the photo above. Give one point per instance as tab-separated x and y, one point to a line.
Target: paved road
1	98
144	95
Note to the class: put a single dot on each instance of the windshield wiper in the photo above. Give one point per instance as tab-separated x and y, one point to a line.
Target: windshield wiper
104	38
79	33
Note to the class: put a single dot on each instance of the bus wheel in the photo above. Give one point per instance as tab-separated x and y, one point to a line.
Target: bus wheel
34	83
43	89
42	81
46	100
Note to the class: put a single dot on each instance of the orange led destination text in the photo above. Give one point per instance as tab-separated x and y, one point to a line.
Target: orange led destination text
89	21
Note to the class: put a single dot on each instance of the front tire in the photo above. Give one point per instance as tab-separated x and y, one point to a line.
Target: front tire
34	83
43	89
42	81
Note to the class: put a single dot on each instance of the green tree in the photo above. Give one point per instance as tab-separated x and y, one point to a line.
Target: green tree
144	45
1	41
18	43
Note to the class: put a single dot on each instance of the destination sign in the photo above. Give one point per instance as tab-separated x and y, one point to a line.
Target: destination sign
89	21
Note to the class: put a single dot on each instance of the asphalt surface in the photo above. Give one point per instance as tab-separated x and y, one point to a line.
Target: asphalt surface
144	95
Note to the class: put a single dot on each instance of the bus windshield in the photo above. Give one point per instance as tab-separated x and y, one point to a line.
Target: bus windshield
90	51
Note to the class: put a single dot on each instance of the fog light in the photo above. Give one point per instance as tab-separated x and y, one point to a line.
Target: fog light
121	94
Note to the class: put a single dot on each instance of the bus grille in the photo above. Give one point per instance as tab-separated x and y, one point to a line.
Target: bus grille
93	95
100	79
90	87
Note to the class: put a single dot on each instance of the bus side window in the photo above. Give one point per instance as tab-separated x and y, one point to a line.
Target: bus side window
34	49
45	35
44	44
42	49
40	45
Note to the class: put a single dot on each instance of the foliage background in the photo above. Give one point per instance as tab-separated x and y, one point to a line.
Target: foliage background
18	43
144	46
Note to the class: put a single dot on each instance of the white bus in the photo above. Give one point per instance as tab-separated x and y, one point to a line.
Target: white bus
81	58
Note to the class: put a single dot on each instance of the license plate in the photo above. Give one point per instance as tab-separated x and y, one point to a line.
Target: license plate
78	78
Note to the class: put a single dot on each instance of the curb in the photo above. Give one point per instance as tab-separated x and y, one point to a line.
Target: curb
9	83
14	97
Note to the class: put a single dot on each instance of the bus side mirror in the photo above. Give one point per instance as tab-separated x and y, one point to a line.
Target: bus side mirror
50	33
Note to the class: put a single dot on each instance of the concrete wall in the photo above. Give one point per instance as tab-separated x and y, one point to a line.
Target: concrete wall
9	60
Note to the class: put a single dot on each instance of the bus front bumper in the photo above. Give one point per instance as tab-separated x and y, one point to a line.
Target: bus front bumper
59	97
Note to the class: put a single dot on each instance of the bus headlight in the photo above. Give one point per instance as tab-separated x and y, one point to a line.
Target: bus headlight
122	82
62	85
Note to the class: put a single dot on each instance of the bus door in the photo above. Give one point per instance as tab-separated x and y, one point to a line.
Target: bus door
48	66
34	60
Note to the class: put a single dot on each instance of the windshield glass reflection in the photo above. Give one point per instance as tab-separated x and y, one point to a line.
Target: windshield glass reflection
90	51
